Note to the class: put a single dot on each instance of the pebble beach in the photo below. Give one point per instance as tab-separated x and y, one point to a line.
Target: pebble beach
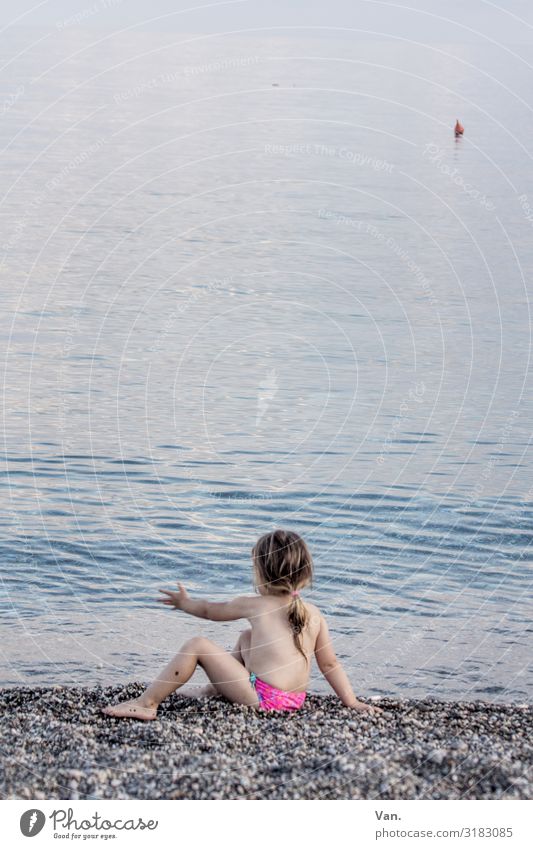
56	744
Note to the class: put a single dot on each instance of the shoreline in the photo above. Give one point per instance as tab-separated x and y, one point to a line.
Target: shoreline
56	744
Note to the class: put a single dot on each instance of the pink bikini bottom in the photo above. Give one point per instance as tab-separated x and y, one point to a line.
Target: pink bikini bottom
270	698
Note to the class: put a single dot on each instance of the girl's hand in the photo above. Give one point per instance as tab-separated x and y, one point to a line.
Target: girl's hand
363	707
177	600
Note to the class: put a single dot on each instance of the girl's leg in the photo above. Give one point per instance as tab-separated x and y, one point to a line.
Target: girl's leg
223	669
240	647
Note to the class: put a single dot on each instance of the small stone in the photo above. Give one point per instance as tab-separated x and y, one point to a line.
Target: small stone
437	757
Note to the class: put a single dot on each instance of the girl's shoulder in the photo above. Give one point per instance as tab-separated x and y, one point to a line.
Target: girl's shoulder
313	612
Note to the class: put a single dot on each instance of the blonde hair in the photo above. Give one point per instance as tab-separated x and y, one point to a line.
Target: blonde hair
283	564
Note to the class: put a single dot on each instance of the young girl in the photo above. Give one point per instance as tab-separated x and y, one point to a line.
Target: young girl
269	666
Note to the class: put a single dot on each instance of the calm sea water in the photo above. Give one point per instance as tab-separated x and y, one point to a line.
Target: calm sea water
251	282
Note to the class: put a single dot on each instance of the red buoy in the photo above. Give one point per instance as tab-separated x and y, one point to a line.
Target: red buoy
459	129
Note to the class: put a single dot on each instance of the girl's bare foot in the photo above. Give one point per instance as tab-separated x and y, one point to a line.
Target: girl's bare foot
134	709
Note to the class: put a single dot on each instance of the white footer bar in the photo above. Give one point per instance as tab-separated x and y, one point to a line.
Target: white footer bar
264	825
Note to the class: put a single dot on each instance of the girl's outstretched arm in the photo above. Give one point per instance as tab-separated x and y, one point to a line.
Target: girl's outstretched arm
224	611
334	673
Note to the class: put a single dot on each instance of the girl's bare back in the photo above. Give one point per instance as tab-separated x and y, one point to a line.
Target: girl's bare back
268	648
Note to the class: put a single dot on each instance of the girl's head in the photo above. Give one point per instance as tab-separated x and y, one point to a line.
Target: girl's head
283	564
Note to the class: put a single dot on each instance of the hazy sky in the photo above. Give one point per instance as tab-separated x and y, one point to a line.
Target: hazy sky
509	21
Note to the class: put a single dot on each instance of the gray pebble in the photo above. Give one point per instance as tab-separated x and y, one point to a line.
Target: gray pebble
57	745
